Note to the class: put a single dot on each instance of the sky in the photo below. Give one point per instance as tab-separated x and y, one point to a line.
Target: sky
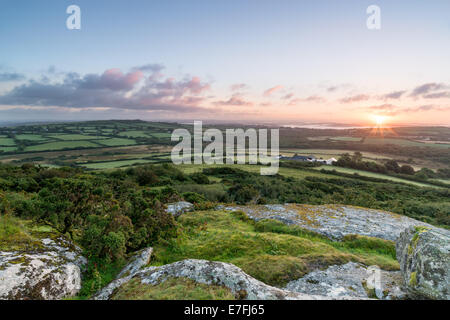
284	61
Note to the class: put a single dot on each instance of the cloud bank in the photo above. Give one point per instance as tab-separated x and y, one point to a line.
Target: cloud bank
134	90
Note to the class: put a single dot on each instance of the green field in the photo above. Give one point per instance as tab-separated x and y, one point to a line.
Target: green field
134	134
301	174
91	131
79	135
60	145
8	149
381	141
161	125
346	138
7	142
373	175
114	142
114	164
31	137
404	142
161	135
288	172
322	138
75	137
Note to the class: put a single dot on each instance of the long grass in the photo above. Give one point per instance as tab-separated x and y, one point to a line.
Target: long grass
172	289
269	251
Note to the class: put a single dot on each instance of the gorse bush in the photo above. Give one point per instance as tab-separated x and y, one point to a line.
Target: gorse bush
108	214
212	192
193	197
200	178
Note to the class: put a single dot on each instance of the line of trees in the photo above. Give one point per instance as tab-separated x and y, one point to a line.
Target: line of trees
355	161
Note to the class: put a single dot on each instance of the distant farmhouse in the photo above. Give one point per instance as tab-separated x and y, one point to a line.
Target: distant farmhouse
309	158
328	162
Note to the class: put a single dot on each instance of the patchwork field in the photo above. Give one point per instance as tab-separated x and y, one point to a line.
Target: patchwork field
134	134
102	145
82	136
74	137
31	137
8	149
404	142
74	156
62	145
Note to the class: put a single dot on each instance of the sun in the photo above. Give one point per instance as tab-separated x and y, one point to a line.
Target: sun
379	120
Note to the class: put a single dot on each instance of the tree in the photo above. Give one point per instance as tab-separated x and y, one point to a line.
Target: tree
426	173
66	203
392	165
200	178
357	156
406	169
244	194
145	177
443	173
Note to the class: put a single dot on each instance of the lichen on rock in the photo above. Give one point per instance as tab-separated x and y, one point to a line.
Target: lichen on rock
50	270
333	221
178	208
351	279
221	274
424	257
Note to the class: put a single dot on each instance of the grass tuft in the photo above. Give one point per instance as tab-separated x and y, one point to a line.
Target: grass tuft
13	233
172	289
267	250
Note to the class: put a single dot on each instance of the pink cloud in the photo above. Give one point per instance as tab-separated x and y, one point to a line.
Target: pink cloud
195	85
288	96
314	99
359	97
235	100
114	79
391	110
272	90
